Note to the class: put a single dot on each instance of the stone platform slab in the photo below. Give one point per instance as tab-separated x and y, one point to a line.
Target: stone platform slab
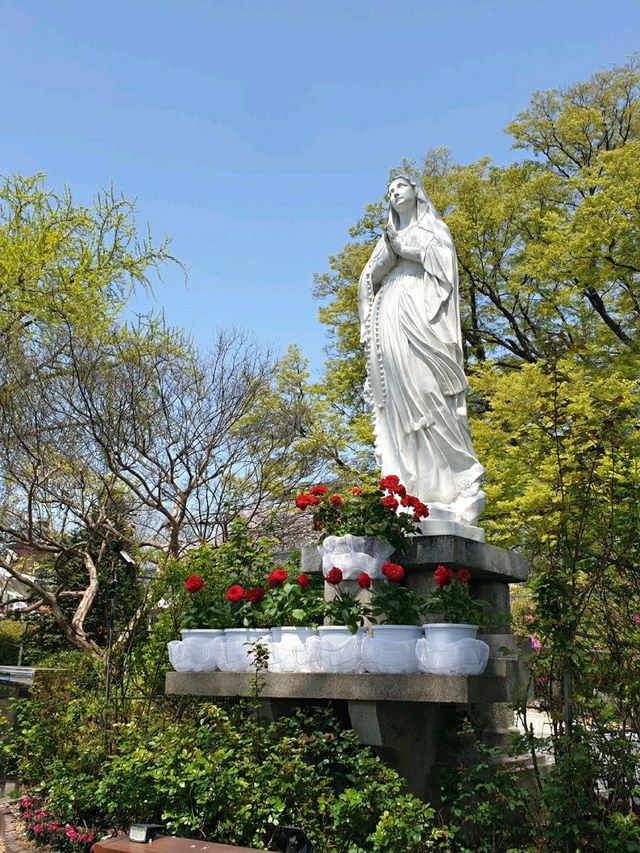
366	687
487	562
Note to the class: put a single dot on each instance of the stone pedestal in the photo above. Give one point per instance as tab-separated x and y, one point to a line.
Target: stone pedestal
404	717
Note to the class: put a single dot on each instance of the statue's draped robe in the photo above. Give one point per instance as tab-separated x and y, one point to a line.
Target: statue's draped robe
415	379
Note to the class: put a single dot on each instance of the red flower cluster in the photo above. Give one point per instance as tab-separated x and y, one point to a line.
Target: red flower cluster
235	593
303	580
392	572
277	577
356	491
318	490
364	581
420	510
442	576
391	483
334	575
305	500
336	500
40	825
390	502
193	583
255	595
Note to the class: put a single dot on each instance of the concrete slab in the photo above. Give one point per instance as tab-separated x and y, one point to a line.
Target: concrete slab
487	562
443	689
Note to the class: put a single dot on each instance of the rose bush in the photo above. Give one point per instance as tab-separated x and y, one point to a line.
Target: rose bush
392	603
202	609
302	770
387	512
297	602
451	597
344	608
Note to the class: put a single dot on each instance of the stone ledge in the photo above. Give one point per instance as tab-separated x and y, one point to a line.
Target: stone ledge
487	562
441	689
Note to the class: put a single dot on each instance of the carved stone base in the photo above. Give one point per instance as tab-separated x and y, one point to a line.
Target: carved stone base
438	527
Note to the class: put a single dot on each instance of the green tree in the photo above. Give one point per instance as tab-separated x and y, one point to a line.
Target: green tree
61	262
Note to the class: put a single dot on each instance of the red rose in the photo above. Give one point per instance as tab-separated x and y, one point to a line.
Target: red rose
389	502
442	576
235	593
356	491
392	572
277	577
364	580
255	595
302	501
318	490
193	583
463	575
336	500
303	580
334	575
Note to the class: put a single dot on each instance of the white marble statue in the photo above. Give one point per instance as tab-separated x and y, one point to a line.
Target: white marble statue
410	325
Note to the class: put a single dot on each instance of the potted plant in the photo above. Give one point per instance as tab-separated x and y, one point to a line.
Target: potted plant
244	625
293	607
361	529
451	647
338	645
202	624
452	600
396	613
203	611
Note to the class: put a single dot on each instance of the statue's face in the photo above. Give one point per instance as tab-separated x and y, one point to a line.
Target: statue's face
401	194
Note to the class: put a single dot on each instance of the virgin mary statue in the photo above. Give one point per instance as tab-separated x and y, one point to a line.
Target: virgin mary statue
410	326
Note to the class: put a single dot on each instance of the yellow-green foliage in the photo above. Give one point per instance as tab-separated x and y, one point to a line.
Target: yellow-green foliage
553	433
65	263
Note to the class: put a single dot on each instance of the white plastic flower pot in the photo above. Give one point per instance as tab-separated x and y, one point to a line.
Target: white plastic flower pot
391	648
354	554
445	633
336	649
200	650
289	649
202	633
239	654
449	649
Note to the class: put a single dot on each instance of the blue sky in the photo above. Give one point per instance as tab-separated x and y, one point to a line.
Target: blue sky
253	133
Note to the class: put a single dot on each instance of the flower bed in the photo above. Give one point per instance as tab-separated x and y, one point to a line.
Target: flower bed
44	830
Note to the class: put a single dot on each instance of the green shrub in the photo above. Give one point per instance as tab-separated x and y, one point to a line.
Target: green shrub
10	634
218	774
487	810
